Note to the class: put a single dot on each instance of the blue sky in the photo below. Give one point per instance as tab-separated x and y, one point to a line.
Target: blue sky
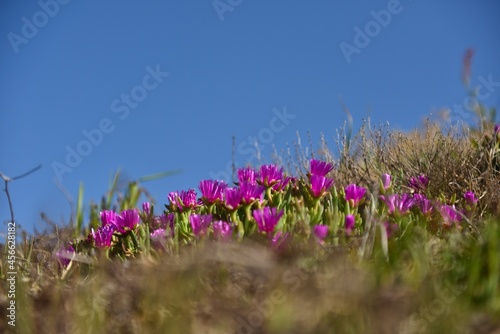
150	86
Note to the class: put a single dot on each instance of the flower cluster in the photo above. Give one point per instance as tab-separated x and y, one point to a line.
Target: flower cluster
268	202
112	222
446	215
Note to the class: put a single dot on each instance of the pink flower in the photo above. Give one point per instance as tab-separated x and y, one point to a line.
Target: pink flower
183	200
398	203
282	183
424	204
321	231
146	207
64	255
108	217
199	223
267	219
127	220
103	236
212	190
159	234
349	224
419	183
158	238
354	194
251	192
165	222
386	181
450	215
320	168
222	230
470	198
320	185
270	175
246	175
232	198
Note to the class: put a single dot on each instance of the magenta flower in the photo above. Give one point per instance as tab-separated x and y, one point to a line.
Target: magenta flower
232	198
320	185
423	203
267	218
212	190
108	217
165	222
146	207
450	215
64	255
222	230
386	181
158	234
251	192
183	200
158	238
418	198
175	200
321	231
270	175
497	128
354	194
246	175
103	236
418	183
282	183
404	203
320	168
200	223
127	220
399	203
470	198
349	224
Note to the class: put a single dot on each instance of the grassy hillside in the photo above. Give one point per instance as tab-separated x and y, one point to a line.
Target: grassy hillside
395	233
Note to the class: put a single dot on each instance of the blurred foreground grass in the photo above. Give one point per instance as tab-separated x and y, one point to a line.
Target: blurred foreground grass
428	286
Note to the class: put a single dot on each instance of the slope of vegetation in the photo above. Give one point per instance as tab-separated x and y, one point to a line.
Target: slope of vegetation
396	233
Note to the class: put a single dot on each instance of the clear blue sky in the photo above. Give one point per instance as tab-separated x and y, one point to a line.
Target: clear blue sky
67	67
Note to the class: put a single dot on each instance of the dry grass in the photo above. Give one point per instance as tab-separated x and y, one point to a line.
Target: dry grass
455	159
